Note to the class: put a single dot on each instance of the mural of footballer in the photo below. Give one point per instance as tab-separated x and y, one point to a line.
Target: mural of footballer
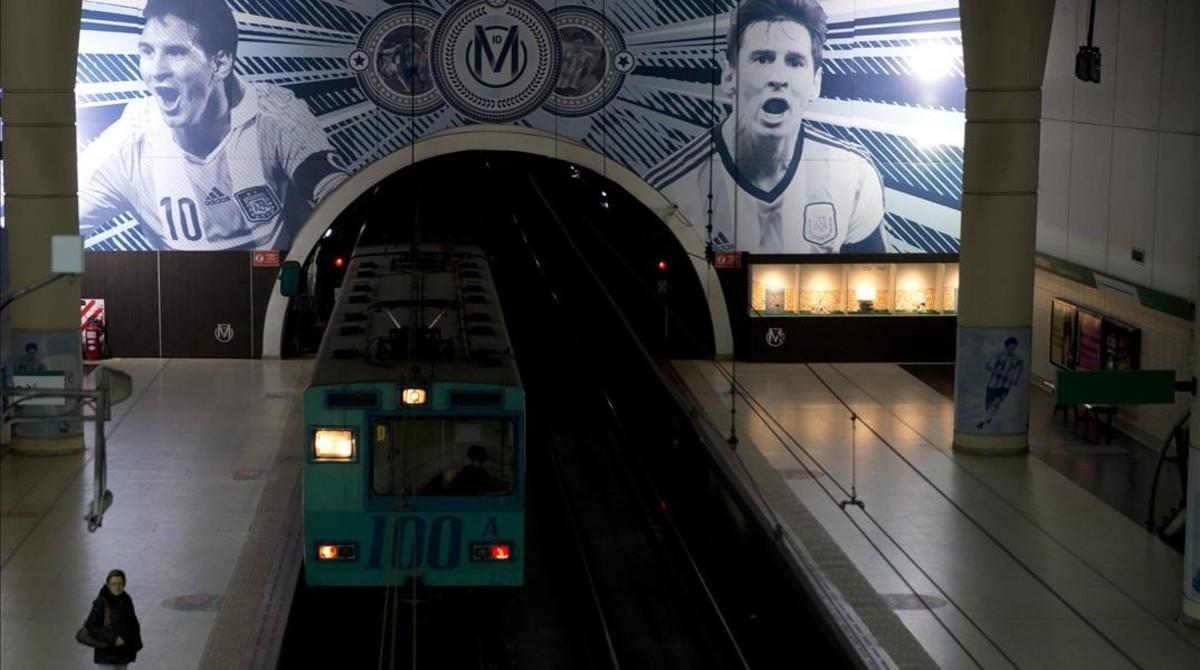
1004	372
207	161
778	185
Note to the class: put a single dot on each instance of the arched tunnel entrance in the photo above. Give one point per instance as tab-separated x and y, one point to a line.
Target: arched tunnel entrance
481	185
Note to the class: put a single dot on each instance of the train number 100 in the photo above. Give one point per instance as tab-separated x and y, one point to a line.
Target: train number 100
416	543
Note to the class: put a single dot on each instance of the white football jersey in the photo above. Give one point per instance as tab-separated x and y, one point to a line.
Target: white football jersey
232	198
830	195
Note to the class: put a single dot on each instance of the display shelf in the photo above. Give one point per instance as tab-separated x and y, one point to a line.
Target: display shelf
841	286
949	288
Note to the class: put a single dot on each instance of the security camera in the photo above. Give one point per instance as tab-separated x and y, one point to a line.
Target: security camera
1087	64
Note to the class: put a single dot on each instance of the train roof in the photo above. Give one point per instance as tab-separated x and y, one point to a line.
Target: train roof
409	314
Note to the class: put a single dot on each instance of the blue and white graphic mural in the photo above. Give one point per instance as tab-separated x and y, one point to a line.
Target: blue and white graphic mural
777	126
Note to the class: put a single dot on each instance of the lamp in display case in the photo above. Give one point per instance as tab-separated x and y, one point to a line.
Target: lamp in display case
865	295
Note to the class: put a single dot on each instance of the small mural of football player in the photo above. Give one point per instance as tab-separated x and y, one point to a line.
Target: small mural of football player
206	160
403	61
583	62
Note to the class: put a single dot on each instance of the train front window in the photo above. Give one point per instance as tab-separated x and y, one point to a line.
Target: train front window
454	457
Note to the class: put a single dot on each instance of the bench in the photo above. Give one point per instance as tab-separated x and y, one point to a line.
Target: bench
1090	414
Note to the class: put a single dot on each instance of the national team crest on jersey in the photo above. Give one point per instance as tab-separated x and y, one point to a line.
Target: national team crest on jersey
258	203
820	222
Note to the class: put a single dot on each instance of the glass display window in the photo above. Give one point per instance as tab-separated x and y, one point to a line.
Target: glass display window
869	288
774	289
822	289
917	288
949	284
816	288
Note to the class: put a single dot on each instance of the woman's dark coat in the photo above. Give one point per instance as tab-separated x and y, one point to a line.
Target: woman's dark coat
122	622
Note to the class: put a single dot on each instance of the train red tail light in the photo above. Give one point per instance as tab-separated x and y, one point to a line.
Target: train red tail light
499	551
339	262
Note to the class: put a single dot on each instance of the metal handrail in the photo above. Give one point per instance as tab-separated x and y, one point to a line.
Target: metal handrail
1176	436
100	401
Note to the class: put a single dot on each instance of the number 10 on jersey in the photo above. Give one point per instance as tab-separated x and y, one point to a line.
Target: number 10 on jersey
189	218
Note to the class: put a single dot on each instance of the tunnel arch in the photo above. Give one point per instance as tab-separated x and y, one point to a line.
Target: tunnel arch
510	139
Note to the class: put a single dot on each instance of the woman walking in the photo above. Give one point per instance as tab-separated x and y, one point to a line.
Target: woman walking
112	620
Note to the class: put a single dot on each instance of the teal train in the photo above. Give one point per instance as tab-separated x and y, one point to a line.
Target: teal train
414	426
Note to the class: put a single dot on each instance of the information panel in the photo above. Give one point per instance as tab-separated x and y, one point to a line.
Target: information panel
1088	351
1063	317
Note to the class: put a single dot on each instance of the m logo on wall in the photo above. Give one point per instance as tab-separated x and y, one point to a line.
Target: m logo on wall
512	50
496	61
851	145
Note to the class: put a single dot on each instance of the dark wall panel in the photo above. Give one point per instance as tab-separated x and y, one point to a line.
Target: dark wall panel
128	283
206	304
848	339
264	283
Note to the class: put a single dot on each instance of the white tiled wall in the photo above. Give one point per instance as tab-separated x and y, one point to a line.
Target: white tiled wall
1177	219
1120	160
1166	342
1139	61
1131	206
1181	77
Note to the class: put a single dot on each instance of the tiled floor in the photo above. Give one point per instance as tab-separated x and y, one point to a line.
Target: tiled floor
1034	571
189	456
1119	471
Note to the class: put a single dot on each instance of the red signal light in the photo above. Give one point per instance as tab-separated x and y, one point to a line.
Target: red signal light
491	552
339	262
662	266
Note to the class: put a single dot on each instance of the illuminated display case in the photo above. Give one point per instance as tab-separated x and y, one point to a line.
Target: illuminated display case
949	284
832	288
869	308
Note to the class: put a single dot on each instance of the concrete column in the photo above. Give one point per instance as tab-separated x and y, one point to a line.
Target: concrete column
1191	560
39	42
1004	49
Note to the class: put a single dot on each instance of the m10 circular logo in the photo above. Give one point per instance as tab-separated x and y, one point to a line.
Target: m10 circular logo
497	60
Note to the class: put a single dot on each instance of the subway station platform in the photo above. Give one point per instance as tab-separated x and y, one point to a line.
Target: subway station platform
993	562
202	469
955	561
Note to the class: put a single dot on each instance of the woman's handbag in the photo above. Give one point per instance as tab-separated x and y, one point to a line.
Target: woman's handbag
85	638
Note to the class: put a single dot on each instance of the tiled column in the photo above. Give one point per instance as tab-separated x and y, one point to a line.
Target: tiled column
1004	49
1191	563
39	42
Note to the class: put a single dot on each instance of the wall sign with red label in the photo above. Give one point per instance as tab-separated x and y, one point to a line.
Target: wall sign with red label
728	259
266	259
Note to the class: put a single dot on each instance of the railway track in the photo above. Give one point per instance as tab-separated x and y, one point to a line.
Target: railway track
637	555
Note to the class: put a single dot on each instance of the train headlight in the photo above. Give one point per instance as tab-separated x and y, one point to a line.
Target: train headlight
333	444
413	396
337	552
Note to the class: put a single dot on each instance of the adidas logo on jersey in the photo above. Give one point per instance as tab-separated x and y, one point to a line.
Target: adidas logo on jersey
215	197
